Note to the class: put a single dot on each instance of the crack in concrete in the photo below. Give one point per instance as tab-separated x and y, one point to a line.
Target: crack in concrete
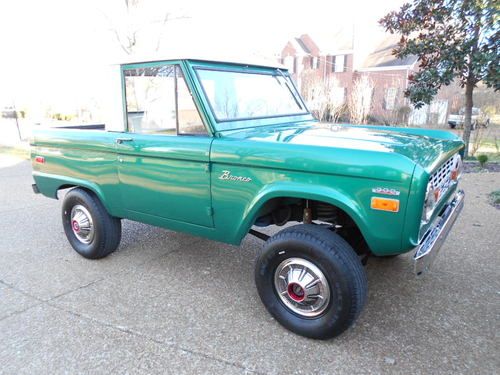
90	283
48	302
8	285
74	290
18	312
156	341
109	276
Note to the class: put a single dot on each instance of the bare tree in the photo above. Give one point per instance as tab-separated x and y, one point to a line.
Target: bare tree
136	21
337	105
322	96
360	100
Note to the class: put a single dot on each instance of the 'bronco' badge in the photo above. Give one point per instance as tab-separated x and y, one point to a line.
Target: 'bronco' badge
226	175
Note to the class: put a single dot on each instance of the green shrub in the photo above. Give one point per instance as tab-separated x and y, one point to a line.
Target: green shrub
495	197
490	110
482	159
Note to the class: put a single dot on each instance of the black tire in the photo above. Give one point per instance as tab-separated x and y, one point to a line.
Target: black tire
339	264
106	228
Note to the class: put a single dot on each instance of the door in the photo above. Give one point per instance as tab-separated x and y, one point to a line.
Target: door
163	158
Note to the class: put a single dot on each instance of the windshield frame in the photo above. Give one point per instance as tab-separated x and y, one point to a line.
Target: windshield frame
295	95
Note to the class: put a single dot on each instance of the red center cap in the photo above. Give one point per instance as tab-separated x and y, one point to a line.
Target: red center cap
296	292
76	226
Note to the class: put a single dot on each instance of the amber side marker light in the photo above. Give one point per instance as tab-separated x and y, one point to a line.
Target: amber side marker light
385	204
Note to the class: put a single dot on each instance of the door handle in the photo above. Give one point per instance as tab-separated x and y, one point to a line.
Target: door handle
121	140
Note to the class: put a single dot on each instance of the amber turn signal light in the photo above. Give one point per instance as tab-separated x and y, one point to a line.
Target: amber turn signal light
385	204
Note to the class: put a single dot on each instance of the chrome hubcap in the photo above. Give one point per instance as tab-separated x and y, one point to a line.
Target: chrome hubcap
82	224
302	287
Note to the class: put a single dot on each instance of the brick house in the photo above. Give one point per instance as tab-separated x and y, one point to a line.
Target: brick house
340	57
324	56
389	78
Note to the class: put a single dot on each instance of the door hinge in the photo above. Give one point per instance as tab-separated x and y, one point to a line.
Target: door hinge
208	168
210	211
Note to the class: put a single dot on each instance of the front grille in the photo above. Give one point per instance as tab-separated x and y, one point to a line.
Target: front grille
441	178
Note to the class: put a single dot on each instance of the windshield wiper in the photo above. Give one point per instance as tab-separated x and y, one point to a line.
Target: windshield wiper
292	91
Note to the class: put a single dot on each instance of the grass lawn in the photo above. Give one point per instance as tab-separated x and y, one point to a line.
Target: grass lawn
21	152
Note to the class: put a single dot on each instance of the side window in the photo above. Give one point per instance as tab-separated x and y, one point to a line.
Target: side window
159	102
150	94
187	115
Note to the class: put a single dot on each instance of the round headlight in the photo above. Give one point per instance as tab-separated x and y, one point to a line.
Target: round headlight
457	167
431	198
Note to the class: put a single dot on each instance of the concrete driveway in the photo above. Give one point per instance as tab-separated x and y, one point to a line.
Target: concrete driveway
171	303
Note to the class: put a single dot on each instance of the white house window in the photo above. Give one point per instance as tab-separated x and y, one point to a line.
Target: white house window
314	64
299	65
390	98
290	63
339	63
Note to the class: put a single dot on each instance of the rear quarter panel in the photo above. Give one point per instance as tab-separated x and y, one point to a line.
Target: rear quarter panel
77	158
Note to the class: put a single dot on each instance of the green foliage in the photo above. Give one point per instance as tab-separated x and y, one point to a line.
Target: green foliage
495	197
62	116
482	159
15	151
489	110
453	39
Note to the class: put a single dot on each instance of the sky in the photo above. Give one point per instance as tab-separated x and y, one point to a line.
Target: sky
59	52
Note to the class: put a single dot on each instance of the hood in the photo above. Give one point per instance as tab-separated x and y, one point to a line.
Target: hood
424	147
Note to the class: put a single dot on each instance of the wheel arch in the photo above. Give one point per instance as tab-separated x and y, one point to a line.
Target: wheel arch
49	185
322	194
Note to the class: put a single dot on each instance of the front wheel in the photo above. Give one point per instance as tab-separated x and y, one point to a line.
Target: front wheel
311	281
90	229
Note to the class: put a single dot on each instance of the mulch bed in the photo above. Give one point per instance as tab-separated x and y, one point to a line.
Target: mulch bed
475	167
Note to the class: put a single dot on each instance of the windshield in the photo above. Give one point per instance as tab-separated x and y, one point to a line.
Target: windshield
244	96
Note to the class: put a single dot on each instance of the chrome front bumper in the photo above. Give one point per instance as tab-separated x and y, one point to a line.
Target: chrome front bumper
434	238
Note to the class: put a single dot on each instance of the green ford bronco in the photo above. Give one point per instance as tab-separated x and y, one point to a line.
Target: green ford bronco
219	149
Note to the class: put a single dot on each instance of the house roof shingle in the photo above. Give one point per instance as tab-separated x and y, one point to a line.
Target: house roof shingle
382	57
329	43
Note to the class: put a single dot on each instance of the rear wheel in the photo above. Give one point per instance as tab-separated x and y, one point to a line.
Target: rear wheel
311	281
90	229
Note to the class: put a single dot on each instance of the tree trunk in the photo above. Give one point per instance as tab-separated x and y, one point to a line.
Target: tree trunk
17	124
469	88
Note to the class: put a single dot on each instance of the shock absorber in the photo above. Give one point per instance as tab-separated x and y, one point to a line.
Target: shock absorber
307	216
